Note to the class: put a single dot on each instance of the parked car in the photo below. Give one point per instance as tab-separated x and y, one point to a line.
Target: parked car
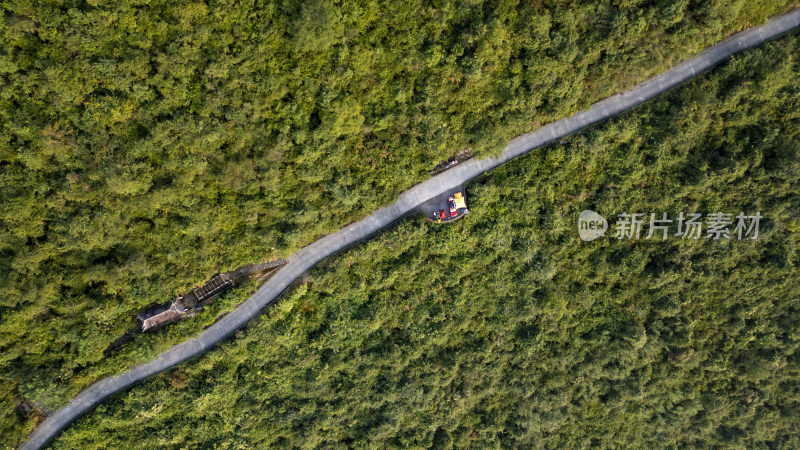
451	203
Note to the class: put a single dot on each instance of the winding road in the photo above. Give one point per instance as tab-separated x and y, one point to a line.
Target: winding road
307	257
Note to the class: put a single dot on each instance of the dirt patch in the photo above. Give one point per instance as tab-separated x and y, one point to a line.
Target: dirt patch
456	159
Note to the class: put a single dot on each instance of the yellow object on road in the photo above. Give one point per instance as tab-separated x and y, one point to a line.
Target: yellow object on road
459	200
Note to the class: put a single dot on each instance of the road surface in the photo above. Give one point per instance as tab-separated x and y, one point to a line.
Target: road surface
307	257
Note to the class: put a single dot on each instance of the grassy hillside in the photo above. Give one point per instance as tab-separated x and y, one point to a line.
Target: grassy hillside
505	330
147	145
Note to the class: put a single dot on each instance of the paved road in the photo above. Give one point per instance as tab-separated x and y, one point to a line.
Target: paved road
307	257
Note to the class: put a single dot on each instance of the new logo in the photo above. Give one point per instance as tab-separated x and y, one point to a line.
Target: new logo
591	225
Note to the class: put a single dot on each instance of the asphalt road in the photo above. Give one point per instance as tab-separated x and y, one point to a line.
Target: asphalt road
307	257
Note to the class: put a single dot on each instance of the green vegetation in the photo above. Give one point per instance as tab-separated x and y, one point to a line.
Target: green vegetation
147	144
505	330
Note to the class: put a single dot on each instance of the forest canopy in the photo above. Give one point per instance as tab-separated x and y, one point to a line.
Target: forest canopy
146	145
505	330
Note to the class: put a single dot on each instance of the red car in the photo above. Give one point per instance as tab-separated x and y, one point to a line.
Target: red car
451	203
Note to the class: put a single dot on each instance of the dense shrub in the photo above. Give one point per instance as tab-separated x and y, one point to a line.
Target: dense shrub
505	330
